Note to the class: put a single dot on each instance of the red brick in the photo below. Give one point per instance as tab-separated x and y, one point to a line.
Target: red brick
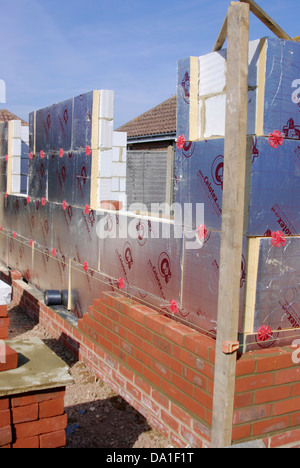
176	332
156	323
3	310
152	351
252	413
271	425
171	391
184	356
53	440
3	333
139	313
27	413
10	356
245	366
171	422
202	430
243	399
272	394
287	376
4	403
5	435
199	344
27	443
193	406
4	418
37	397
123	304
172	364
285	438
162	344
180	414
108	298
4	322
41	426
241	432
163	371
286	406
50	408
253	382
270	363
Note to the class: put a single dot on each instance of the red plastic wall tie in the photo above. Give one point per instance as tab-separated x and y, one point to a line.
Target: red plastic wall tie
31	242
278	239
180	142
28	199
264	333
64	205
43	201
30	155
5	195
85	266
173	307
1	228
121	284
275	139
15	234
86	209
61	153
201	231
87	150
6	157
42	154
53	252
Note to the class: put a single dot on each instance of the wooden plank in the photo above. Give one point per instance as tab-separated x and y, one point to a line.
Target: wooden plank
267	20
221	37
234	182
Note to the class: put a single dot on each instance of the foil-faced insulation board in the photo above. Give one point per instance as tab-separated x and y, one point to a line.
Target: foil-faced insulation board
273	181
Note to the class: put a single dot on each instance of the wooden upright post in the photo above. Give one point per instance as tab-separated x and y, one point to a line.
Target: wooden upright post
234	180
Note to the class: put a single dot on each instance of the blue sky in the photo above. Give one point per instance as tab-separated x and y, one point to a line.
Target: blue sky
52	50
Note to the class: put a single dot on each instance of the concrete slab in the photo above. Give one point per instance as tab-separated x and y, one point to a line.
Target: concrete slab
39	368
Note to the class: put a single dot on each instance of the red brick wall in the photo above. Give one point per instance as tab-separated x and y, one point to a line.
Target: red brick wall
166	371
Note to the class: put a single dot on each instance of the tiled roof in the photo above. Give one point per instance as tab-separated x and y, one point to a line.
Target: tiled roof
6	115
161	119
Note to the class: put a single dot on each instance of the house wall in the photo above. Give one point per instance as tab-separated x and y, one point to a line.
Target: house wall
166	370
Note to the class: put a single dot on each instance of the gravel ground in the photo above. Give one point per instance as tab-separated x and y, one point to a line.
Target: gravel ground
97	416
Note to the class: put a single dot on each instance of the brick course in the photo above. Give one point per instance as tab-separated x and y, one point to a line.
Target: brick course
166	372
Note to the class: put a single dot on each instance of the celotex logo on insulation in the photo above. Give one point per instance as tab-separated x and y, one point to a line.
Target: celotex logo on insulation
2	352
187	222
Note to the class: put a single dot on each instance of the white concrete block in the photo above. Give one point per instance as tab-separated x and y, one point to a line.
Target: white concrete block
16	147
104	189
16	183
123	154
105	169
105	133
215	116
115	184
120	139
116	154
118	169
106	110
16	165
17	126
122	184
212	73
25	133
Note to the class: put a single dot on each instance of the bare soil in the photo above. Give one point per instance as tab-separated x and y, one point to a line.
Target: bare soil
97	416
